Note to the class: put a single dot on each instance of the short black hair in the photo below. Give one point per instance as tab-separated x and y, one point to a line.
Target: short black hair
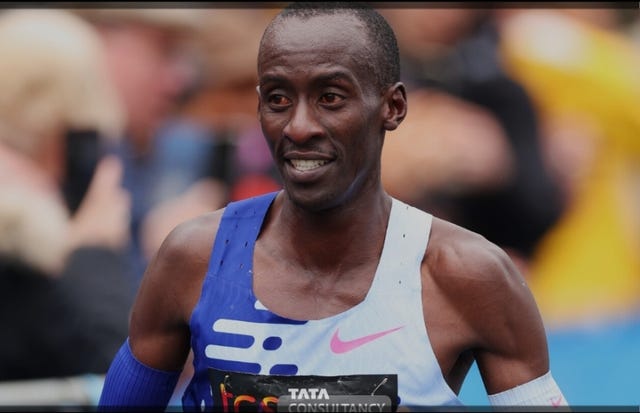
384	45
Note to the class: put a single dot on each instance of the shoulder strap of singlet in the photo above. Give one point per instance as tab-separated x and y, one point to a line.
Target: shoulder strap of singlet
404	249
232	253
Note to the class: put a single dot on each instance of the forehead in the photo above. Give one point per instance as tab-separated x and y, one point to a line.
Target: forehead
318	41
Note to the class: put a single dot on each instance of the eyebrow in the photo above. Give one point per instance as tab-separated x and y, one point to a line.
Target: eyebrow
271	78
337	75
322	78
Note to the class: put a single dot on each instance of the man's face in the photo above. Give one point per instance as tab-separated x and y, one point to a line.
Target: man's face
320	109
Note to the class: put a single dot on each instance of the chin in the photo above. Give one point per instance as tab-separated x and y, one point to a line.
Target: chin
315	200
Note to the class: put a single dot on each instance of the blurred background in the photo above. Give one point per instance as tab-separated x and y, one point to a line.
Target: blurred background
117	124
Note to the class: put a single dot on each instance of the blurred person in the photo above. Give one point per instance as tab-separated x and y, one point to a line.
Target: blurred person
475	123
227	100
152	58
149	63
65	299
180	163
584	80
276	295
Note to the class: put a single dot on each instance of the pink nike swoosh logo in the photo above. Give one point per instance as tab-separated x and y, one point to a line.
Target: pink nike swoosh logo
555	401
338	346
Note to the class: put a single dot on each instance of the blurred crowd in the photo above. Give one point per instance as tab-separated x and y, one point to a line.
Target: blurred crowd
117	124
523	126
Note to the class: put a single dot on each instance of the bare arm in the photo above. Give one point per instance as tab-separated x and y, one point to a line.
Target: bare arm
512	346
477	306
159	333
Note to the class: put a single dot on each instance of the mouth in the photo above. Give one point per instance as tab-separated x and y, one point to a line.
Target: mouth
304	165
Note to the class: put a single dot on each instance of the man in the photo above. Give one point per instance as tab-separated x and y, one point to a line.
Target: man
321	296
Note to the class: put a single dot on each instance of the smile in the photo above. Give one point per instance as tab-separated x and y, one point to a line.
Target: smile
307	164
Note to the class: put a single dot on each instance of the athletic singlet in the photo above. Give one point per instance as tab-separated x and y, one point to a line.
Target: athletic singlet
374	354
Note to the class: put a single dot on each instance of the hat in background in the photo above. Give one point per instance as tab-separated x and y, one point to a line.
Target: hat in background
52	78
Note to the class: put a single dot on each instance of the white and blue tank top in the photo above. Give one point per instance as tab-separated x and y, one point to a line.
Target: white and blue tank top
375	356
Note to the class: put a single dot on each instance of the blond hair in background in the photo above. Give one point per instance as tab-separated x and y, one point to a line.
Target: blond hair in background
52	78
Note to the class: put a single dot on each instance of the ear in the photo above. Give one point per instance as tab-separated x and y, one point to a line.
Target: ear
395	107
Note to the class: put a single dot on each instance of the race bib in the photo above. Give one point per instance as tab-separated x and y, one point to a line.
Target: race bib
242	392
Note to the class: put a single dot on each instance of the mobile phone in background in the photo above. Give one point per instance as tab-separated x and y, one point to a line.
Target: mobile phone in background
82	154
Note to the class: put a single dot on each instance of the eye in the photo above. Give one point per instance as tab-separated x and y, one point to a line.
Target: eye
331	99
278	101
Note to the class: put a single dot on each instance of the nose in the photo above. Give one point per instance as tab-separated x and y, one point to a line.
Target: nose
303	123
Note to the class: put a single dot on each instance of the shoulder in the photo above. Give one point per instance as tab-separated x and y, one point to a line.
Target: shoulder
477	280
456	254
475	299
181	262
191	239
189	244
180	265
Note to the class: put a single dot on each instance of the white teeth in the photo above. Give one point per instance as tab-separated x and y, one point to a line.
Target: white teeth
306	165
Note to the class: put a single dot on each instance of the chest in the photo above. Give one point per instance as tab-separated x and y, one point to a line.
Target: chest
289	289
383	334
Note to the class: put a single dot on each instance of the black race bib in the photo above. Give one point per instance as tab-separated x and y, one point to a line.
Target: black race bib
242	392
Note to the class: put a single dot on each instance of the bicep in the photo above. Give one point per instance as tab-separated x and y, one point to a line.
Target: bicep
157	336
513	345
159	328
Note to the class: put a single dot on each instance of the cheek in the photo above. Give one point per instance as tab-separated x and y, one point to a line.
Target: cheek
366	149
272	123
363	153
362	135
271	130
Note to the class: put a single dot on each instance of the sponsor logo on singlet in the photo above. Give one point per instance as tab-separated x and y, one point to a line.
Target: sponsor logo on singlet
339	346
237	392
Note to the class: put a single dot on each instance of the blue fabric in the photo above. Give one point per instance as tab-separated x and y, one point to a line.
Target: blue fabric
130	384
227	293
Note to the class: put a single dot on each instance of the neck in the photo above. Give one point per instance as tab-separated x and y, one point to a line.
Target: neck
336	240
